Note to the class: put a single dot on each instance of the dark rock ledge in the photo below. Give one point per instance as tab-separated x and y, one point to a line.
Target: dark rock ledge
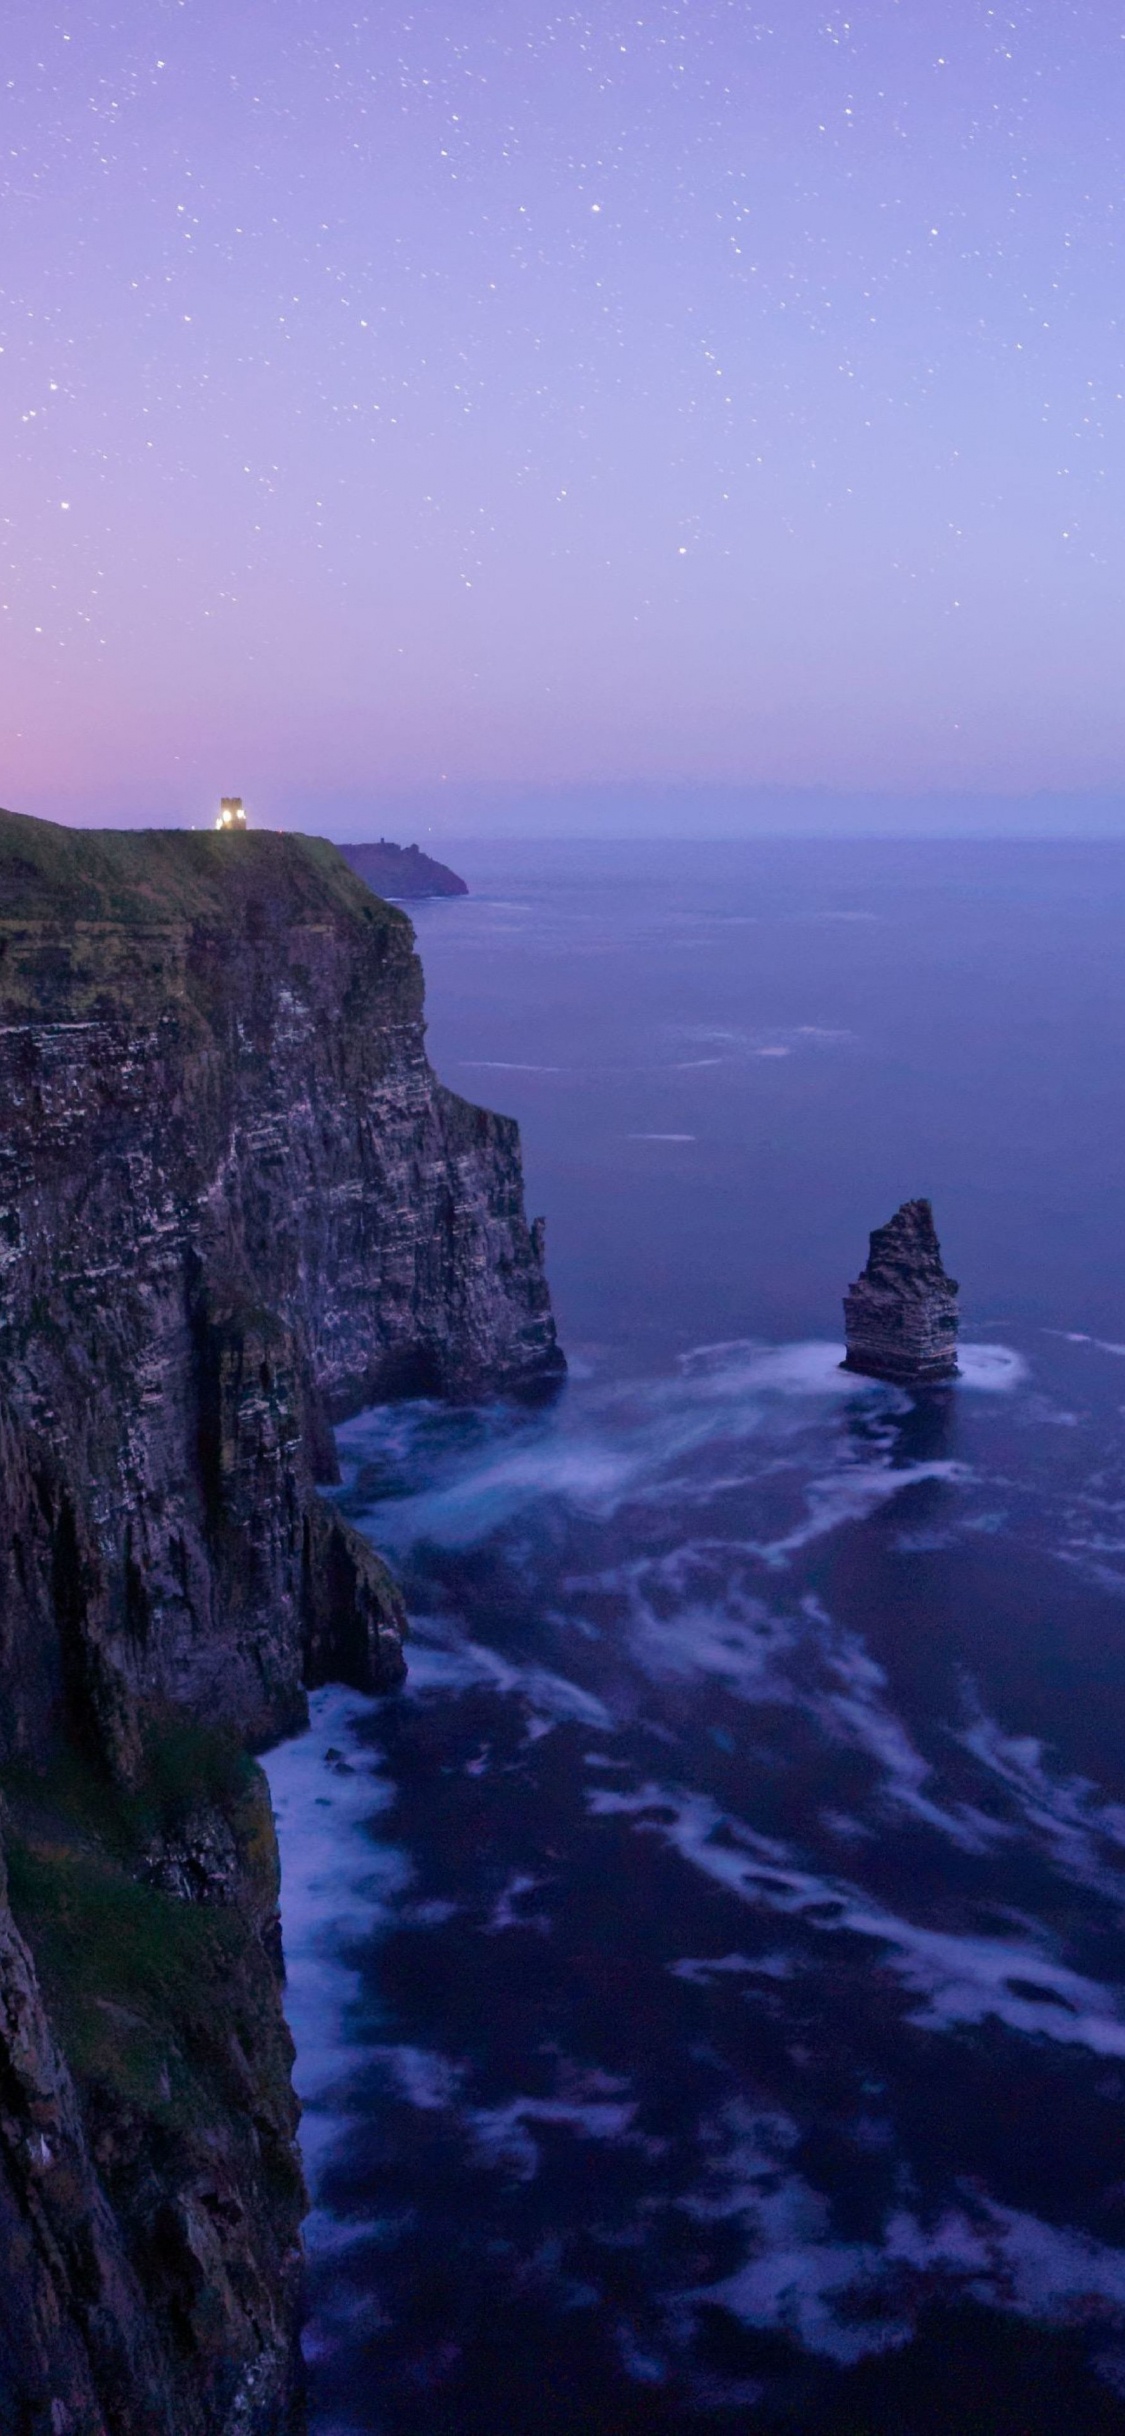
235	1205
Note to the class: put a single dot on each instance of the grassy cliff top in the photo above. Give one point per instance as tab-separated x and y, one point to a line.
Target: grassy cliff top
145	876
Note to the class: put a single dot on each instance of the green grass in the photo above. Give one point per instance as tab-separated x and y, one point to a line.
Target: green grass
139	1985
165	2006
186	1765
172	875
102	924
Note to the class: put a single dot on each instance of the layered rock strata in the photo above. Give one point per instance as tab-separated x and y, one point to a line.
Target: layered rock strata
900	1316
235	1205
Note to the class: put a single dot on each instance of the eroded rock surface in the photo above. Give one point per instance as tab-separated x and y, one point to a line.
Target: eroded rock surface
900	1316
235	1205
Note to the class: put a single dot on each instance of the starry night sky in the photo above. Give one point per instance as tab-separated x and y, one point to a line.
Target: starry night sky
488	392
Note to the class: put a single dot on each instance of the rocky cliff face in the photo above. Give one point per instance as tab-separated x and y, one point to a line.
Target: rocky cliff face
900	1316
235	1204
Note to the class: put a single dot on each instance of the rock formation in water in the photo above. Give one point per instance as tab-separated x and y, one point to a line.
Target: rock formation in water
235	1205
900	1316
402	871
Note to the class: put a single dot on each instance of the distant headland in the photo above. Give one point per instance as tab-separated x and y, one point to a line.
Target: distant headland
402	871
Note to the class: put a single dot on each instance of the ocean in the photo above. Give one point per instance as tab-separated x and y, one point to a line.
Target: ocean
708	1977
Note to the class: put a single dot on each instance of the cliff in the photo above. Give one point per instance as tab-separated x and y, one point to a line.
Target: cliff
402	871
900	1316
235	1205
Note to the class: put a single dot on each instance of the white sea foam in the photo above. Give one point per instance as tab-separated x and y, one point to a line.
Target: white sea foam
619	1447
702	1640
956	1979
738	1045
700	1972
502	2135
723	1035
798	2282
853	1707
1082	1833
427	2081
599	1453
443	1660
340	1882
688	1616
847	2299
850	1495
504	1914
814	1366
743	1366
995	1368
590	1474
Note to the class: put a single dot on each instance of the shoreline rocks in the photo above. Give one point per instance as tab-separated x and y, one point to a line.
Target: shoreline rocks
900	1316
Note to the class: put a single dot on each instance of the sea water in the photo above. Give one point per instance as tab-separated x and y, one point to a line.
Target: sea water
708	1976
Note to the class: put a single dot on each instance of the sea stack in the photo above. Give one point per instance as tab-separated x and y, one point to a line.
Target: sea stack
900	1317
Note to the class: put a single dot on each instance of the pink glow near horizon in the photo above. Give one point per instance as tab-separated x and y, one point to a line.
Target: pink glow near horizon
400	399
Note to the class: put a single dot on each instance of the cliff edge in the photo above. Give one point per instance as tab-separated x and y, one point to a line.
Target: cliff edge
235	1205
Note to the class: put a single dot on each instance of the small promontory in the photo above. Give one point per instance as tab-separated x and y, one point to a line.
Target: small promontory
900	1316
235	1205
402	871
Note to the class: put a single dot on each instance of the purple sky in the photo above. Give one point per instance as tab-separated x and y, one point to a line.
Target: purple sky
490	392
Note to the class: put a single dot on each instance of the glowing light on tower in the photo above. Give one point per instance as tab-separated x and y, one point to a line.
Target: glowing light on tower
231	813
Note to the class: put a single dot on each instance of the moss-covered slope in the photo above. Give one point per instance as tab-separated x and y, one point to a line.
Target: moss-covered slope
174	2188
